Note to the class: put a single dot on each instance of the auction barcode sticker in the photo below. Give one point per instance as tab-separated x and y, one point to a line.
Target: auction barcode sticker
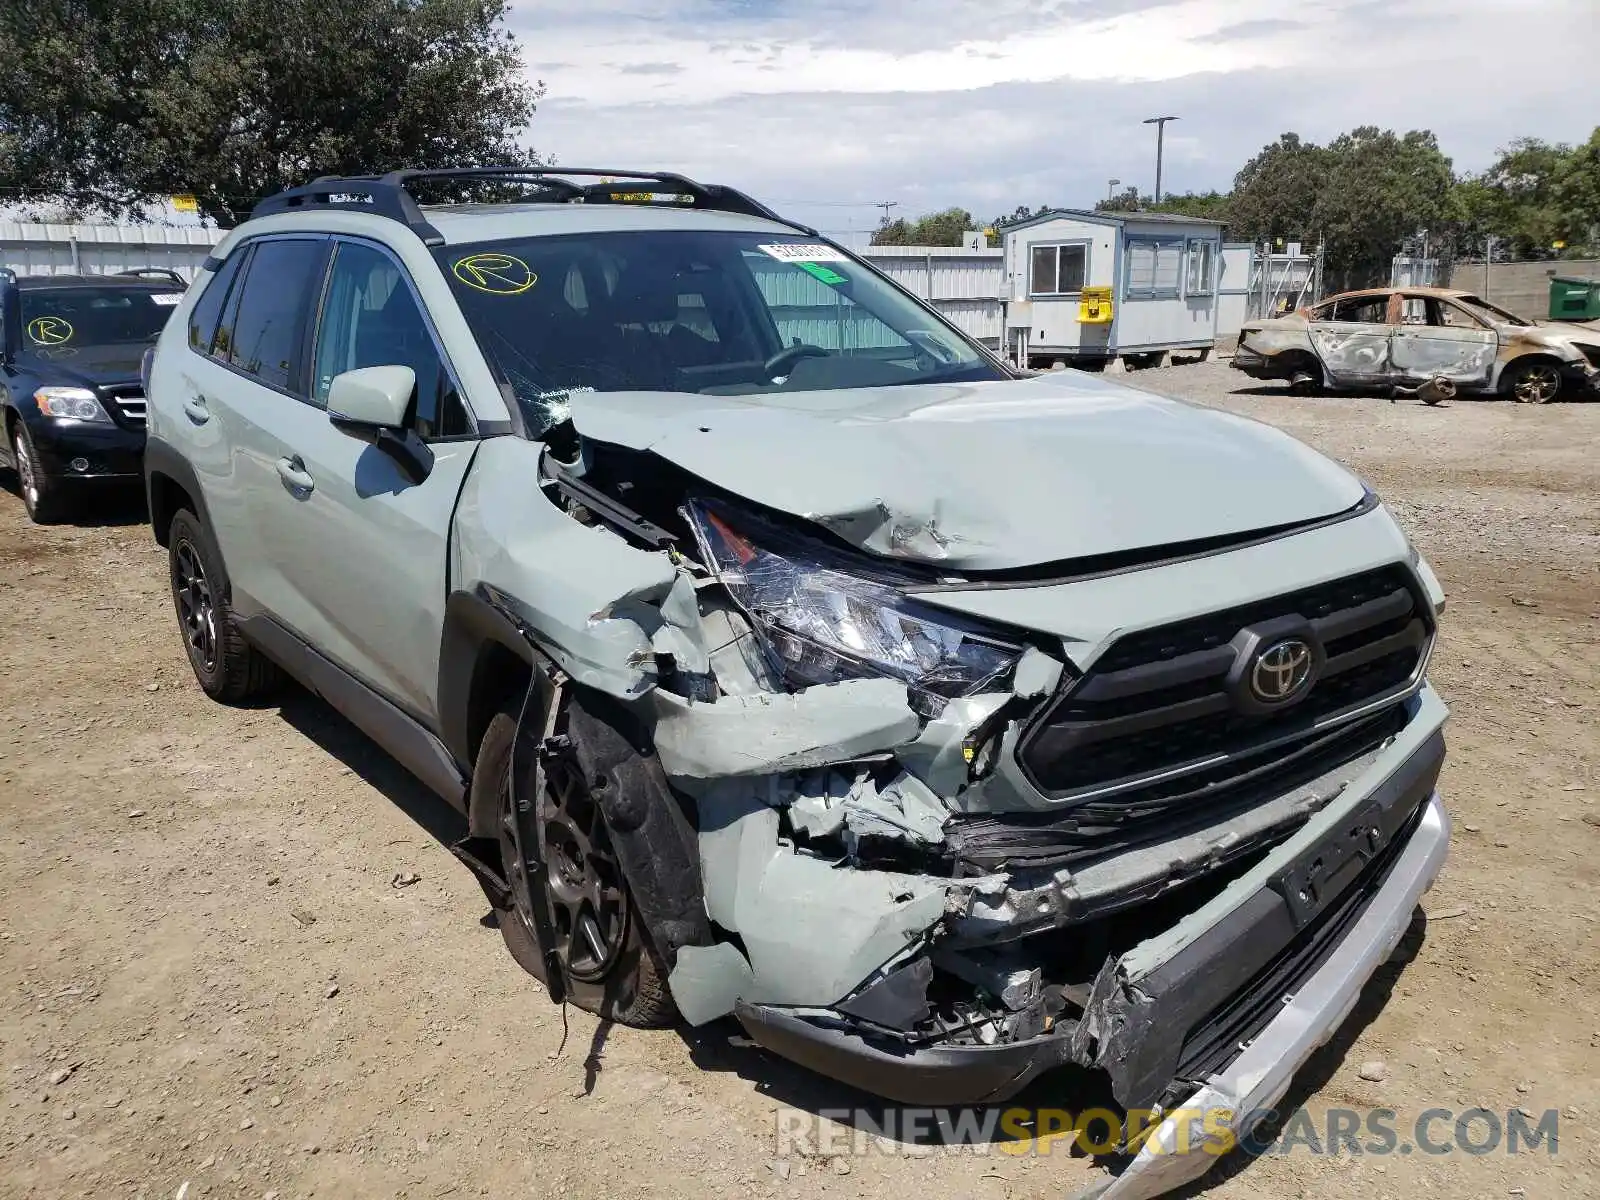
804	252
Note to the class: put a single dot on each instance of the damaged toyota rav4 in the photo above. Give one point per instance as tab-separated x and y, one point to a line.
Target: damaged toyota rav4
790	657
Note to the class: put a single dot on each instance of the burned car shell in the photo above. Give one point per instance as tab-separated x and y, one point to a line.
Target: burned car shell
1408	346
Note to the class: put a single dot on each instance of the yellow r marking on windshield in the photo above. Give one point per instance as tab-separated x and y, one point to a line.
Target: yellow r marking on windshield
50	331
495	273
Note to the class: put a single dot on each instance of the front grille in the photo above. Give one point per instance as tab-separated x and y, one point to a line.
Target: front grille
1221	1036
129	403
1155	708
1116	824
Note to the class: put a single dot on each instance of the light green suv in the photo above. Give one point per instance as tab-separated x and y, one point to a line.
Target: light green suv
791	658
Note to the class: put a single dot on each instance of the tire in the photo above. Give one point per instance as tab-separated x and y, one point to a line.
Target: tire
42	495
627	984
1305	376
1535	382
226	666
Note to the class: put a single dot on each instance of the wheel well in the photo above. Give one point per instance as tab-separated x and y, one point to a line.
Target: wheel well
498	676
1524	360
167	496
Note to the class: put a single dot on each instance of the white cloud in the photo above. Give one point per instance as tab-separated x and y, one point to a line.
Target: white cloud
992	103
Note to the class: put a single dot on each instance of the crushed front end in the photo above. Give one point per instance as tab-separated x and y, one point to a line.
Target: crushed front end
1157	817
1019	849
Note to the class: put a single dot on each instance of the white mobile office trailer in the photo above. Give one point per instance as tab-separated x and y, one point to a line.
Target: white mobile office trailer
1088	287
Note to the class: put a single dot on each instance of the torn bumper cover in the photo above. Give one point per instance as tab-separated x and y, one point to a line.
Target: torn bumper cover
1274	960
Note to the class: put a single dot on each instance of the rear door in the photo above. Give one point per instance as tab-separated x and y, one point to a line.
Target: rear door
1438	339
237	389
1352	336
361	545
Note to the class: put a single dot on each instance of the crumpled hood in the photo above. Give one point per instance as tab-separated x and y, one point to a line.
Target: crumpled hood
985	476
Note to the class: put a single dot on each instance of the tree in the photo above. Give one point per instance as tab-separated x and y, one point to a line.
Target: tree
1127	200
1575	194
1021	213
110	105
1379	190
935	229
1208	206
1275	193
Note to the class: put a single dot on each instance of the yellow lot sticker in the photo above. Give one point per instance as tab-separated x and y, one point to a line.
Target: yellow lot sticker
50	331
495	273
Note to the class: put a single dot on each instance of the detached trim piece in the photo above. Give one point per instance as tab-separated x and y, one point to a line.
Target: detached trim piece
1137	1034
1260	1076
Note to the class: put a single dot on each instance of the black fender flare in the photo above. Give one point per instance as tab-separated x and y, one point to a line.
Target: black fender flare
161	459
472	622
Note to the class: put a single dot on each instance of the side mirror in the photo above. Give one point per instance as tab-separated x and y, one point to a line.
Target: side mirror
370	403
368	399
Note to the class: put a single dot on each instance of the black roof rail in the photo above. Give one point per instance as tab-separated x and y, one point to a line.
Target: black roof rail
156	272
390	195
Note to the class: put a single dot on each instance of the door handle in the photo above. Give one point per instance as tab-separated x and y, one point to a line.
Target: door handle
295	476
194	407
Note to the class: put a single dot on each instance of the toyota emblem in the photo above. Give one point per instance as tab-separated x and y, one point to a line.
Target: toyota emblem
1282	671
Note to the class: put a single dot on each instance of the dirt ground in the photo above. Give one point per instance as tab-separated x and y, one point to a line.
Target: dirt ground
208	976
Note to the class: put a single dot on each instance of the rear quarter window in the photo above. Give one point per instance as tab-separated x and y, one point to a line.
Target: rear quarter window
207	310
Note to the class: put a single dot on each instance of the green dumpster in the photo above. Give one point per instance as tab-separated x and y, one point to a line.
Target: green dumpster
1573	299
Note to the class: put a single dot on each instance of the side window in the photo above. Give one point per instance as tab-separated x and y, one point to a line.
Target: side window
1058	270
269	323
1202	269
370	319
1153	270
1455	318
207	310
1366	310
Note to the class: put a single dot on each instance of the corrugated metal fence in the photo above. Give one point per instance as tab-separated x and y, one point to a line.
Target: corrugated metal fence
34	248
966	286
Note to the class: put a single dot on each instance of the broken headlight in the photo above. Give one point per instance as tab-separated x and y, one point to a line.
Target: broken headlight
822	621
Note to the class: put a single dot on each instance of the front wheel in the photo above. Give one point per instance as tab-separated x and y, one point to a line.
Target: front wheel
607	963
41	495
1532	382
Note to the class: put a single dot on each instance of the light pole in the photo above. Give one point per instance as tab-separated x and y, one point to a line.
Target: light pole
1111	189
1161	129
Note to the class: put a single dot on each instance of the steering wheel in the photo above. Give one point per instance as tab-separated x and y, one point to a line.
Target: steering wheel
781	362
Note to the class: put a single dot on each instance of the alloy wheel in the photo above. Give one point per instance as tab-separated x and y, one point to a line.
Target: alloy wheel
196	609
1538	385
25	471
583	880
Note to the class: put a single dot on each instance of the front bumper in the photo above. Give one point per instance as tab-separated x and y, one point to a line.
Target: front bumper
1286	954
1257	1079
1255	364
109	452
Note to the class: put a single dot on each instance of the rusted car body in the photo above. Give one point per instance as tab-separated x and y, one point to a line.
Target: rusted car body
1410	338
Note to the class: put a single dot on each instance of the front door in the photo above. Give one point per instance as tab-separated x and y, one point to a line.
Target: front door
364	546
1436	339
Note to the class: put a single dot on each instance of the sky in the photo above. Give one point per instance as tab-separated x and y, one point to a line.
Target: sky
825	108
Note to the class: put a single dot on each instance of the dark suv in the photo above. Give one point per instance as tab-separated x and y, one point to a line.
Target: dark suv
73	404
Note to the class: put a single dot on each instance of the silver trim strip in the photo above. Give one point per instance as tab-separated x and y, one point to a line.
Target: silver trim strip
1181	1148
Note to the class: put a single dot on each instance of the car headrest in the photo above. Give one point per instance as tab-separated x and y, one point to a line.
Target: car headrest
646	293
